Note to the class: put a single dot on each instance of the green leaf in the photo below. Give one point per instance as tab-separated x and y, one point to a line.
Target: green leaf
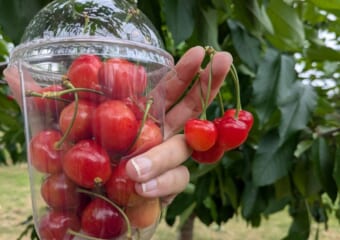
248	200
336	172
329	4
300	228
3	48
231	190
305	179
296	109
15	16
182	202
324	163
202	188
289	32
179	16
272	159
253	16
302	147
153	10
210	204
206	28
283	188
247	46
312	14
273	82
317	52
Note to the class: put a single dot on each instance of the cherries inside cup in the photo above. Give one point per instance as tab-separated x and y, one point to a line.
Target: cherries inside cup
97	118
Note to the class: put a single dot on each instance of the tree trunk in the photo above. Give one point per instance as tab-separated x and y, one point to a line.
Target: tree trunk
186	232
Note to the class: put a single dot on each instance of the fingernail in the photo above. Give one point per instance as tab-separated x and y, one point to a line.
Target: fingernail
142	165
149	186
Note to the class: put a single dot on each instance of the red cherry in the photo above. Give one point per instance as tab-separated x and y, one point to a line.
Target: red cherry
83	73
212	155
59	192
101	219
200	134
87	164
120	188
231	132
150	136
243	116
45	156
48	106
115	126
120	78
137	106
54	225
82	125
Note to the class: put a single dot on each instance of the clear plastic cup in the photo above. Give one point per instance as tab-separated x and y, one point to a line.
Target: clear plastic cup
92	77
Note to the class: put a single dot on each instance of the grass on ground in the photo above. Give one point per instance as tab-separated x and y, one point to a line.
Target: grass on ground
15	207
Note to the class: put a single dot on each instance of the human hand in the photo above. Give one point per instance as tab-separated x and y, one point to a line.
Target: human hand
159	172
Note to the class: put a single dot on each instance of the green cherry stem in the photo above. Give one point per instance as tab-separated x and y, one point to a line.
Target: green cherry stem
149	102
69	127
237	89
120	210
50	95
205	102
221	102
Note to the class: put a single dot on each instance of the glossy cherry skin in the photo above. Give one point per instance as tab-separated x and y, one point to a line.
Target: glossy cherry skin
83	73
101	219
150	136
82	125
231	132
137	106
87	164
120	78
145	214
244	116
54	225
212	155
120	188
44	154
200	134
59	192
115	126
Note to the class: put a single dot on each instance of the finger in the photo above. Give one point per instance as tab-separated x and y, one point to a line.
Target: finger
174	84
159	159
191	105
12	76
167	184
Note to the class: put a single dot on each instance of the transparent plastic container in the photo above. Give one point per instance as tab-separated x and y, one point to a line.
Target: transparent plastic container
91	75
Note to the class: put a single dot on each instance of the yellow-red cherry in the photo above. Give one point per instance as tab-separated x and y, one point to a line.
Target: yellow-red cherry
243	115
200	134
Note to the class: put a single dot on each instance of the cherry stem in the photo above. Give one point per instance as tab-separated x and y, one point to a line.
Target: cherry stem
69	127
221	102
237	89
149	102
50	95
204	106
141	109
211	52
205	103
120	210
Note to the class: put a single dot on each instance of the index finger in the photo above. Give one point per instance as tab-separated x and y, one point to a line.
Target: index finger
174	84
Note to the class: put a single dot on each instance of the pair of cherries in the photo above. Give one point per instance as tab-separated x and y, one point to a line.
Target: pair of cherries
211	139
